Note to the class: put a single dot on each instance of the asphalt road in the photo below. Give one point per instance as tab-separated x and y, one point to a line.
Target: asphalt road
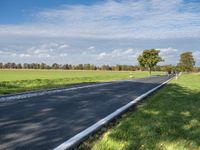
44	122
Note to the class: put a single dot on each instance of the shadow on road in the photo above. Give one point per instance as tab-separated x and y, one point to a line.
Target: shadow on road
44	122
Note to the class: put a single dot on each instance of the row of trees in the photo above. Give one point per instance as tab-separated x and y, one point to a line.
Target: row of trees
88	67
67	66
150	58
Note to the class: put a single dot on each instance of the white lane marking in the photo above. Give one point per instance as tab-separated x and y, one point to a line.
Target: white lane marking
85	133
28	95
7	98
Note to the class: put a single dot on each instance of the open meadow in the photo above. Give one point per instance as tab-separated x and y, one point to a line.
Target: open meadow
168	120
12	81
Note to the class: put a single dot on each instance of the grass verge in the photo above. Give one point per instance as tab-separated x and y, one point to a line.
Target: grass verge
12	81
168	120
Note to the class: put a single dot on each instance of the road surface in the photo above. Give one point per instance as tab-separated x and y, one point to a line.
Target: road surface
44	122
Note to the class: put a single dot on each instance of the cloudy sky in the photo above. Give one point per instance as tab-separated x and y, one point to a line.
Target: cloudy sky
97	31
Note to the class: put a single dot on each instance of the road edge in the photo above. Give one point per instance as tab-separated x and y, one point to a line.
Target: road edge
78	138
29	94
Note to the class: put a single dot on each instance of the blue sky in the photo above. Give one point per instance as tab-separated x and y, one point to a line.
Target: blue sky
97	31
19	11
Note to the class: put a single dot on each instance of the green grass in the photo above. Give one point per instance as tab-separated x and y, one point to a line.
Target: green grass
12	81
168	120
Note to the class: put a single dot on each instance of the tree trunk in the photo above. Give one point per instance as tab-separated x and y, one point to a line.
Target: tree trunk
149	70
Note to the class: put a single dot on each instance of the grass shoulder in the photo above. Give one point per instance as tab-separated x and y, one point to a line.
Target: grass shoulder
168	120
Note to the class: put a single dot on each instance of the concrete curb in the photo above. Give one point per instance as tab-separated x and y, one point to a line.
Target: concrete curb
77	139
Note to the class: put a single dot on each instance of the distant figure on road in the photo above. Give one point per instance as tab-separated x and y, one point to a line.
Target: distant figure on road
169	72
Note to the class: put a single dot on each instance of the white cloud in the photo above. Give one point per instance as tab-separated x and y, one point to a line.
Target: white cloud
102	55
130	55
63	54
116	56
63	46
7	53
91	47
44	55
24	55
170	55
115	19
196	55
168	52
47	50
119	54
112	32
128	51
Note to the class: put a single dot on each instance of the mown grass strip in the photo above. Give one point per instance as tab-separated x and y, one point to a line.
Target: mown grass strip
167	120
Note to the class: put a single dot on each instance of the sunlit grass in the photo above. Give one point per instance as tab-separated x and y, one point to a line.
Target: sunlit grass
169	120
12	81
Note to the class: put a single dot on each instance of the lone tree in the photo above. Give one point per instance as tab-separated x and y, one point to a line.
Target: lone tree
149	59
187	62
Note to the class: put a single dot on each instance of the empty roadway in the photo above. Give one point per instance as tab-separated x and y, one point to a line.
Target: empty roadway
46	121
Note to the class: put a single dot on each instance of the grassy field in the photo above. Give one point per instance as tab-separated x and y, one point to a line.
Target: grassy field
12	81
168	120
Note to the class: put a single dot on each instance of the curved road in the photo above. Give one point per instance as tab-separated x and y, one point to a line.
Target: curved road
44	122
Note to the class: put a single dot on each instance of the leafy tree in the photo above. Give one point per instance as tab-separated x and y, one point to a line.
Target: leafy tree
187	62
80	67
55	66
93	67
1	65
86	66
118	68
65	66
43	66
149	59
19	66
105	67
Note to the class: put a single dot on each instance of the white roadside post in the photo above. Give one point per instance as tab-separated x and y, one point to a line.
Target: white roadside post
130	75
176	76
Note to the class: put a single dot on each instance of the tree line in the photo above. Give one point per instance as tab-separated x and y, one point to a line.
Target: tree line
148	60
12	65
